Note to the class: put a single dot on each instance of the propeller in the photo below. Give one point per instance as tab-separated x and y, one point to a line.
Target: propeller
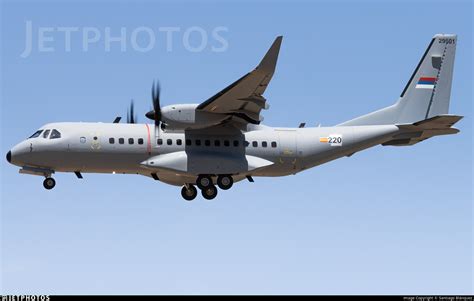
131	116
155	114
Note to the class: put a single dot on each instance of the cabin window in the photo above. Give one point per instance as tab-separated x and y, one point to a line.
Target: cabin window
274	144
159	141
188	142
246	143
198	142
217	143
36	134
236	143
169	141
130	141
179	142
82	139
121	141
111	140
226	143
55	134
46	133
207	142
140	140
254	143
264	143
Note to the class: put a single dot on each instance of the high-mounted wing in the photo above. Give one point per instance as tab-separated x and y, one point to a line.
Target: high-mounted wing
243	100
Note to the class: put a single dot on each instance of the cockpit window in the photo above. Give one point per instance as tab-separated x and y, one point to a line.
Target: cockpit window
55	134
46	133
36	134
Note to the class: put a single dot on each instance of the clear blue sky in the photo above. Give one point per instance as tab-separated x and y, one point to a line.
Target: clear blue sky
387	220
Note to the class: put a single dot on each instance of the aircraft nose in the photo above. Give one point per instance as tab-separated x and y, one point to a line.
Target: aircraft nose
9	156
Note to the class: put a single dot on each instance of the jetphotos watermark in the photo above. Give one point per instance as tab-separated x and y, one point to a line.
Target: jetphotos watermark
142	39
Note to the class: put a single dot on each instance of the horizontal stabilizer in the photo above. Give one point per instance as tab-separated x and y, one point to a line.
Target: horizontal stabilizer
435	126
439	122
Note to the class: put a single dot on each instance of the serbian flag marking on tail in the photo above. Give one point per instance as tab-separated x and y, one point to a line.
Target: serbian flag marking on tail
426	83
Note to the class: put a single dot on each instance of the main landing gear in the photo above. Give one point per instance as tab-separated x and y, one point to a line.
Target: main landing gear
209	192
207	187
225	182
49	183
189	192
203	181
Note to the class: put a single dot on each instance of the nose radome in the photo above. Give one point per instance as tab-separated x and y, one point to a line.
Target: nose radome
9	157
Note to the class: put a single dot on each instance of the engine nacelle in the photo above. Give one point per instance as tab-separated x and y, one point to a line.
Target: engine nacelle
185	116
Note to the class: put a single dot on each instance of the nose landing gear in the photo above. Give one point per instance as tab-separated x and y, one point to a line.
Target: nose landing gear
49	183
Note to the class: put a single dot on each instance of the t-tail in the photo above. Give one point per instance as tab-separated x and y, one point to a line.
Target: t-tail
424	102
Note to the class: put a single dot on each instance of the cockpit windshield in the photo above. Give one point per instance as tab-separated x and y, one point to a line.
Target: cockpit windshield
55	134
36	134
46	134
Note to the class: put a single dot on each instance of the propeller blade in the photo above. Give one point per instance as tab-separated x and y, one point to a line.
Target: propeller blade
155	114
156	103
131	117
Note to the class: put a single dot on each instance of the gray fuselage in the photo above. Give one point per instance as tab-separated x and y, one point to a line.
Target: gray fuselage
134	148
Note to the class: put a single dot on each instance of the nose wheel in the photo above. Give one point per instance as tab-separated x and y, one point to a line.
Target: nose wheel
49	183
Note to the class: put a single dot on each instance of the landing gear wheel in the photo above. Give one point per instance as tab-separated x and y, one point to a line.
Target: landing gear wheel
209	192
203	181
189	193
49	183
225	182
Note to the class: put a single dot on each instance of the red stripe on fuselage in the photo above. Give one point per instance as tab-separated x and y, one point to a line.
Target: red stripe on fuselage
148	144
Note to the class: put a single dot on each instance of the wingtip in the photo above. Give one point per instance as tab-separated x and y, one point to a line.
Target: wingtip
278	41
269	61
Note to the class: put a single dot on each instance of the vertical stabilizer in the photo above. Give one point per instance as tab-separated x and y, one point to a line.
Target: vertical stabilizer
427	93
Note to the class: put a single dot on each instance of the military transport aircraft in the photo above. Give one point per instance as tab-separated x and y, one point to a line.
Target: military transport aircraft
222	141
